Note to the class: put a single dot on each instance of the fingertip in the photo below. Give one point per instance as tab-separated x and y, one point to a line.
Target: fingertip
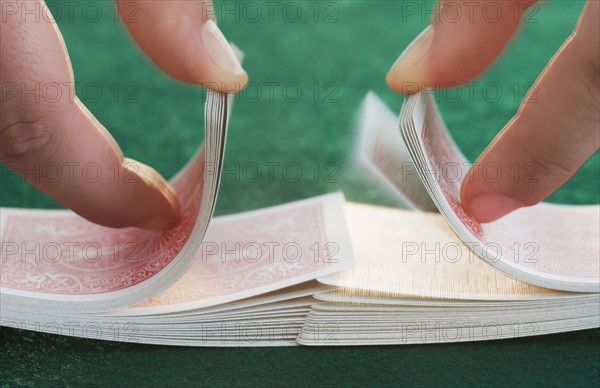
184	41
408	74
397	82
163	216
227	83
225	72
489	207
158	197
139	204
159	224
391	81
481	200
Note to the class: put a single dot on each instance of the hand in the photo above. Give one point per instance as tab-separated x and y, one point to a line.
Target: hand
181	37
557	130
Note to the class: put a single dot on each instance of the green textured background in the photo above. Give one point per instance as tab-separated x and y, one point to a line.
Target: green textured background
346	57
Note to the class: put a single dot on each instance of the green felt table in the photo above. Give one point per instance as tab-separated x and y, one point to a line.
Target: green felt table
332	58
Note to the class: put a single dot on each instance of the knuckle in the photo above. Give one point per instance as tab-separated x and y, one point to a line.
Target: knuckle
589	82
553	168
26	135
588	75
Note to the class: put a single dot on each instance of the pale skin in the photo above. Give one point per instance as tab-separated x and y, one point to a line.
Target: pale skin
181	39
559	132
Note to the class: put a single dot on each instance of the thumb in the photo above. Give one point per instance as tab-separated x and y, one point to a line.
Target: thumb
556	130
56	144
182	38
463	40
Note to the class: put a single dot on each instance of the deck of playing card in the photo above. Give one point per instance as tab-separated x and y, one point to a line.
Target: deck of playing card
249	282
245	281
553	246
414	281
284	276
428	278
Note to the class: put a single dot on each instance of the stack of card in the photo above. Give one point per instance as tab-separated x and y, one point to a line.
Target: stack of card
420	279
55	259
246	282
553	246
284	275
414	281
249	283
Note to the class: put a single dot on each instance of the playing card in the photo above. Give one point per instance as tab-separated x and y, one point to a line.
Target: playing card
56	258
383	153
553	246
415	254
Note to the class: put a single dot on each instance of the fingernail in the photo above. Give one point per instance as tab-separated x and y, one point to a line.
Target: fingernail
490	207
409	67
219	50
